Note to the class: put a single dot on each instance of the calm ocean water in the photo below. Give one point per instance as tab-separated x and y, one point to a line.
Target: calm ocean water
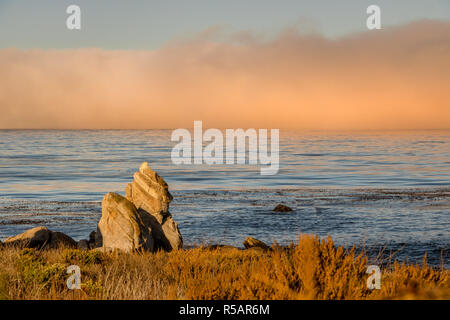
366	189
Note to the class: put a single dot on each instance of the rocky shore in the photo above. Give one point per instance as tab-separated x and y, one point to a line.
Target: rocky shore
140	221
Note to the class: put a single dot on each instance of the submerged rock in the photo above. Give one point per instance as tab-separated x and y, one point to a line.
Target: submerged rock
251	243
282	208
41	237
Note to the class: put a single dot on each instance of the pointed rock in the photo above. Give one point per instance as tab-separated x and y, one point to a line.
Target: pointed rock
150	194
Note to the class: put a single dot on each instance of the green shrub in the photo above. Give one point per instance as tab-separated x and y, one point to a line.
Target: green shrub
75	256
33	269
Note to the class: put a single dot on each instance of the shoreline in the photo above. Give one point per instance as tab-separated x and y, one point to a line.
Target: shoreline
251	202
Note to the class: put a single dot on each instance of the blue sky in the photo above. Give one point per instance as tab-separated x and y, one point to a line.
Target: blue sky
140	24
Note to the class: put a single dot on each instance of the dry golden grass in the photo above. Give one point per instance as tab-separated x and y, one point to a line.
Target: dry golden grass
313	269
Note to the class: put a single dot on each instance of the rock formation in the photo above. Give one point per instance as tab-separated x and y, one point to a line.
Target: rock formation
40	237
142	220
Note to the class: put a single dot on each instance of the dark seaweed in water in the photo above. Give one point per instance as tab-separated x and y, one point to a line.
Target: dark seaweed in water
389	223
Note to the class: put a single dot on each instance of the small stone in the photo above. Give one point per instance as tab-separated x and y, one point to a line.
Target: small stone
254	243
282	208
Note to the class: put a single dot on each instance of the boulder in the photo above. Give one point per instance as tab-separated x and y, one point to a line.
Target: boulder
282	208
150	194
83	245
59	239
122	227
251	243
40	237
32	238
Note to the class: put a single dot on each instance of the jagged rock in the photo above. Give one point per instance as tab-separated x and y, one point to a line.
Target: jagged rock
40	237
83	245
121	226
150	194
250	243
282	208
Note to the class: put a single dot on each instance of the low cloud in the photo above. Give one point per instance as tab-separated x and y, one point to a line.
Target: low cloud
397	78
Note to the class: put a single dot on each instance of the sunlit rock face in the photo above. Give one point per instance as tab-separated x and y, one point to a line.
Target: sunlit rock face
142	220
121	226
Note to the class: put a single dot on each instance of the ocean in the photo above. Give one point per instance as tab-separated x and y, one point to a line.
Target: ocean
386	191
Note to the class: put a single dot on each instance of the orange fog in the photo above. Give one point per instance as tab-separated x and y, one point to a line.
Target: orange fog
396	78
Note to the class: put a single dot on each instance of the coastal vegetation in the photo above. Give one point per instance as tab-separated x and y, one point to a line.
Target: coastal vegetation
313	268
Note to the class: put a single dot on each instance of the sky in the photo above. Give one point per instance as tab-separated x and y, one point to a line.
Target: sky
148	24
255	63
